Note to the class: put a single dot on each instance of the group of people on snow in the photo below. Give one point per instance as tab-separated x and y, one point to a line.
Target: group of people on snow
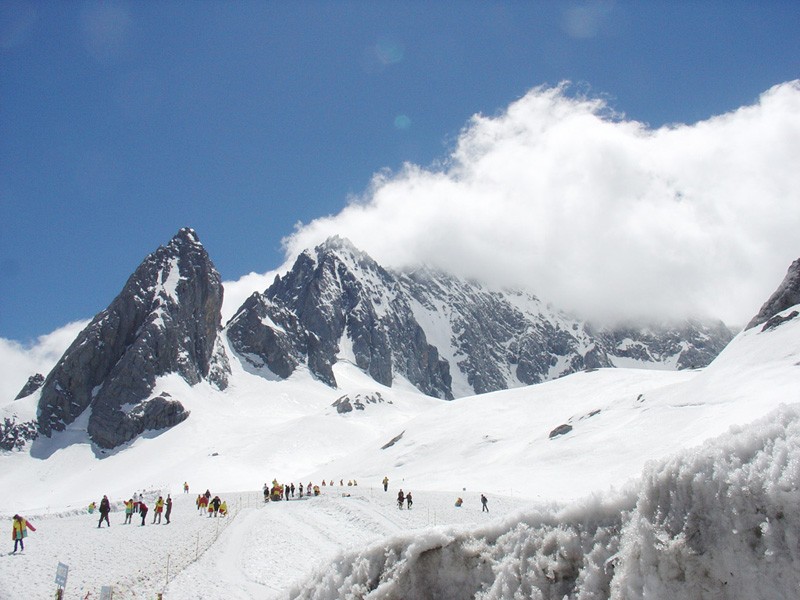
403	497
215	507
135	505
284	491
408	500
212	506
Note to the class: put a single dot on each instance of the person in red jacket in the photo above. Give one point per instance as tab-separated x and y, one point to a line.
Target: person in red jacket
19	532
143	510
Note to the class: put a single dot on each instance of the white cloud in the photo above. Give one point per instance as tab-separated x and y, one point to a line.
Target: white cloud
236	292
18	362
597	213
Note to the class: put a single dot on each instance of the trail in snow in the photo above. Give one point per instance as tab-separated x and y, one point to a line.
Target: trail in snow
255	553
272	546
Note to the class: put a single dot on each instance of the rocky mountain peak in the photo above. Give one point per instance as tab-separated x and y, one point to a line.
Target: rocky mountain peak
165	320
786	296
447	336
338	302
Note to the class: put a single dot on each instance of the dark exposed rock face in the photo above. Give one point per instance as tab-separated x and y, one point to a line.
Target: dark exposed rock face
447	336
14	434
689	344
778	320
34	383
560	430
165	320
786	296
338	294
346	404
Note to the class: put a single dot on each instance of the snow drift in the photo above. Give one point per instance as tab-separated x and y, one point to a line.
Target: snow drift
717	521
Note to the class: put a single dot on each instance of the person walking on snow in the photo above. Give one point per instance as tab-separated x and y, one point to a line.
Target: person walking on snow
409	500
400	499
143	510
128	511
185	487
484	501
169	509
19	532
105	508
385	484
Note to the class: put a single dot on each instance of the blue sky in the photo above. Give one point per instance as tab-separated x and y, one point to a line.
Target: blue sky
121	122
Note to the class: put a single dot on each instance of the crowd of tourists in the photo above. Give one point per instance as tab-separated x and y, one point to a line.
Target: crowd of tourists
212	506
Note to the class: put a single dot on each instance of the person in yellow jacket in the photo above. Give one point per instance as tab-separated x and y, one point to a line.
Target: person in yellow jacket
19	532
223	508
159	510
128	510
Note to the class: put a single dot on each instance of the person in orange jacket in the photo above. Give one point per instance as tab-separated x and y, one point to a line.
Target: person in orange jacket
19	532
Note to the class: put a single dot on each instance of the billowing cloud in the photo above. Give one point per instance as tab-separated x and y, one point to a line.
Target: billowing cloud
597	213
18	361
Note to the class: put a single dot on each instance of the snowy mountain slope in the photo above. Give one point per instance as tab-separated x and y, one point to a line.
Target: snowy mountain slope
252	432
716	521
607	408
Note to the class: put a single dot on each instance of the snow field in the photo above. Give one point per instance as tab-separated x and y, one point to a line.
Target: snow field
715	522
137	561
256	552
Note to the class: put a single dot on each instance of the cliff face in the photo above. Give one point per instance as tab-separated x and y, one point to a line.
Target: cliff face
786	296
335	302
165	320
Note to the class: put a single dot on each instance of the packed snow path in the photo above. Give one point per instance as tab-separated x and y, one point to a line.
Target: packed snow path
255	553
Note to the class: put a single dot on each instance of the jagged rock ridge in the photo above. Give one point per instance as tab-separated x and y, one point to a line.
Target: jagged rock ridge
165	320
34	383
338	294
447	336
786	296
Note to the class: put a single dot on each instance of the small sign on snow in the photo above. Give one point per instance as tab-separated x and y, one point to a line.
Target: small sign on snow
61	575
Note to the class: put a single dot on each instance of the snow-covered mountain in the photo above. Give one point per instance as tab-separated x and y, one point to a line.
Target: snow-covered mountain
448	337
711	514
165	320
625	483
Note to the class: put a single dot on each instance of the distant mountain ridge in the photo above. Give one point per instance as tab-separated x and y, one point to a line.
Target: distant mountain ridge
447	336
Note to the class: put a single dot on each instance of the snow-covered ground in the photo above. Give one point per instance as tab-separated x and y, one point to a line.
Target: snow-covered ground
624	505
256	552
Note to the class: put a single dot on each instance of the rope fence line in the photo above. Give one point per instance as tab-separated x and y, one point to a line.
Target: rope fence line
147	585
